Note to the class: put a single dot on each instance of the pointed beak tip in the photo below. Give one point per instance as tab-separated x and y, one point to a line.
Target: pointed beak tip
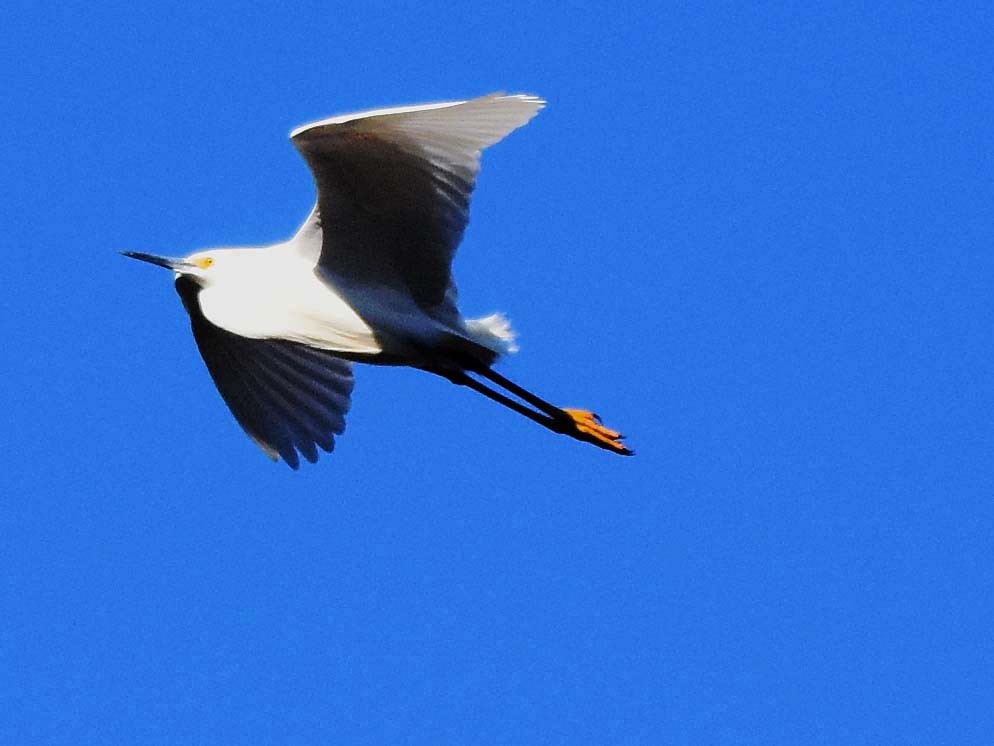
160	261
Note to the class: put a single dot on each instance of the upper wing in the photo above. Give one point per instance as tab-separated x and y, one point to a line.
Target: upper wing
287	397
394	187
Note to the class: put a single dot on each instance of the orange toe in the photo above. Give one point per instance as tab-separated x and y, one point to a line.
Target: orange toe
587	427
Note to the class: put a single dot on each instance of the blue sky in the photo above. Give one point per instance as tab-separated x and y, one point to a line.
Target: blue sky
758	241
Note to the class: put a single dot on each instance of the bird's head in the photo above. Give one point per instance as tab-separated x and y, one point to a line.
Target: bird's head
200	265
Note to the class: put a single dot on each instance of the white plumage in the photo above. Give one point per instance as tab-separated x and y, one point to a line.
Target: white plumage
367	277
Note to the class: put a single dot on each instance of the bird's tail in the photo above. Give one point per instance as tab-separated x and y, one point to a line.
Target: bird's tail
493	332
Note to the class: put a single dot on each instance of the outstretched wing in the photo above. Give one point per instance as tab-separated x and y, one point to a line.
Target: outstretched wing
394	187
287	397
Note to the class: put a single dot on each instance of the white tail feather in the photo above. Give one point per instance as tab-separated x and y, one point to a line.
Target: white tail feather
494	332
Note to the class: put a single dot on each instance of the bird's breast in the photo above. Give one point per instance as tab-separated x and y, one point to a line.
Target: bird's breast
297	307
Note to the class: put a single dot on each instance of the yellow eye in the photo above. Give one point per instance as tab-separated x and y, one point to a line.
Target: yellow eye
204	262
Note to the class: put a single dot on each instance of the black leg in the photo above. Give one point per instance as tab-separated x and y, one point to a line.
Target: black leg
523	394
576	423
552	423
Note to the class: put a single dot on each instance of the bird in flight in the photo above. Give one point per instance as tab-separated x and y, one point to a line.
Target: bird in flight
367	278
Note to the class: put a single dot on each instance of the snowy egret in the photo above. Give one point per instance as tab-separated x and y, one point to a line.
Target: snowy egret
366	278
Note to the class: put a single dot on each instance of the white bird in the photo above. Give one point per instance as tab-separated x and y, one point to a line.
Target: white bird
366	278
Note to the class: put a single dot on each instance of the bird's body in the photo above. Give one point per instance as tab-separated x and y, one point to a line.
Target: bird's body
278	292
275	293
365	278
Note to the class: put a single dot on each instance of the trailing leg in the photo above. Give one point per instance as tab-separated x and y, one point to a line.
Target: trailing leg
576	423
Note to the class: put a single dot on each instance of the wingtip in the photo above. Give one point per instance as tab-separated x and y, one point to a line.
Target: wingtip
533	104
530	98
536	103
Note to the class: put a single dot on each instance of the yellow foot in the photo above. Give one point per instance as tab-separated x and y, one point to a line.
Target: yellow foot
588	427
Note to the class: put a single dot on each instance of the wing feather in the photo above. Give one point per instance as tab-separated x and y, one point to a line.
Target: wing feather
290	399
394	187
